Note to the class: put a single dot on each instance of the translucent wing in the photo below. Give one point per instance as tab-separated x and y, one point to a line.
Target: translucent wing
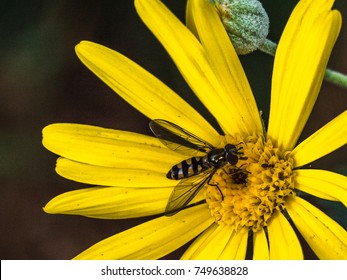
178	139
186	190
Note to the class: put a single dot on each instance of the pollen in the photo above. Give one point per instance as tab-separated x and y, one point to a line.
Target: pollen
247	194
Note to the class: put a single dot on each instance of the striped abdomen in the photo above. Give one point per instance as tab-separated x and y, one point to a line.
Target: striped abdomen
187	168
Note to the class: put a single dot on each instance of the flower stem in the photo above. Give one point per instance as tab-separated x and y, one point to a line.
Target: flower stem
331	76
268	47
336	78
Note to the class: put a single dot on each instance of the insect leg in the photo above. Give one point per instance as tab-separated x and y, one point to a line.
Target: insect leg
215	185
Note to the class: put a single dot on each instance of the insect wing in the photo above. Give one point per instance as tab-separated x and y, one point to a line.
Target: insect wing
186	190
178	139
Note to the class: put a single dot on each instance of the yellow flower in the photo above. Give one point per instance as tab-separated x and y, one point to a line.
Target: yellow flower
253	198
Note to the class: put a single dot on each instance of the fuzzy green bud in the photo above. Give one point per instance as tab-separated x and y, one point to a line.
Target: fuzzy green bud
246	23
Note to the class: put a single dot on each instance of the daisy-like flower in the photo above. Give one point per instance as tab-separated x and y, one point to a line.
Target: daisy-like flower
255	202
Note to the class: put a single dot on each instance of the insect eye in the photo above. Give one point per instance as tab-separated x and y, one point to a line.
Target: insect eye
230	147
231	154
232	158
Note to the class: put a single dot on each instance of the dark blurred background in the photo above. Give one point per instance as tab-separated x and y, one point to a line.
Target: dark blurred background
43	82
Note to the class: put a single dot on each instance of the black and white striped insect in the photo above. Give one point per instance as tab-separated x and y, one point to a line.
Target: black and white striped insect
195	171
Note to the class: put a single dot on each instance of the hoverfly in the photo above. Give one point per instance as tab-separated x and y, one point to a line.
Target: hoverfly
195	171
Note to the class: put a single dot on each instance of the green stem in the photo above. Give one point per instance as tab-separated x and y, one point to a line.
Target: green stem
268	47
331	76
336	78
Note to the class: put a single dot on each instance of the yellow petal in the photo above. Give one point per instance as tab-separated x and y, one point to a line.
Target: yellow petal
218	242
110	202
114	177
142	90
325	140
209	244
322	183
326	237
261	247
108	148
236	247
284	244
299	66
153	239
237	94
189	18
192	61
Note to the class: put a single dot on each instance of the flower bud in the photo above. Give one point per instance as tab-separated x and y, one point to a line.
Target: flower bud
246	23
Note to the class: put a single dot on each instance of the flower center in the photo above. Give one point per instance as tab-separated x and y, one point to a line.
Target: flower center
246	194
